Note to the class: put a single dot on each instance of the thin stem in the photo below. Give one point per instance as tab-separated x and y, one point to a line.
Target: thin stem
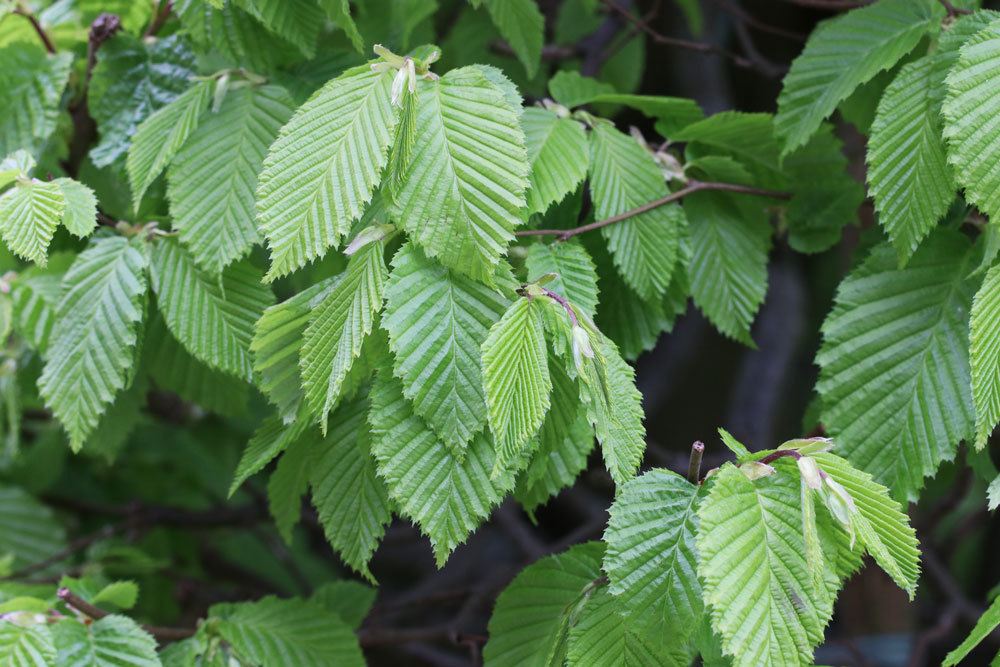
952	9
691	188
781	453
562	301
160	16
21	10
694	465
96	613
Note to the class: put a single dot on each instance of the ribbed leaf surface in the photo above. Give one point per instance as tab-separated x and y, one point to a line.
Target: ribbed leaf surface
133	79
321	172
298	21
651	557
523	26
212	316
842	54
908	171
113	641
755	576
213	178
529	621
605	637
26	646
33	83
270	439
29	214
576	275
351	500
80	214
894	362
622	177
463	192
447	497
36	296
558	154
28	529
338	328
290	481
984	355
969	114
158	139
91	354
219	25
437	320
516	378
986	624
277	340
287	632
881	524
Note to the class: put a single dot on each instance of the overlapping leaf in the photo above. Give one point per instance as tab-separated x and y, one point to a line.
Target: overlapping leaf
29	215
33	83
523	26
576	276
558	154
984	355
108	642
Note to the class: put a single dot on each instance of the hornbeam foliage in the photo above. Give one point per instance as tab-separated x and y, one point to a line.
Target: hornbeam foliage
355	280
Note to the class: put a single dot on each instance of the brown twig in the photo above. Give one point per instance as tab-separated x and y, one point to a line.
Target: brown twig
163	9
77	545
21	10
96	613
953	10
550	52
689	44
749	19
691	188
694	464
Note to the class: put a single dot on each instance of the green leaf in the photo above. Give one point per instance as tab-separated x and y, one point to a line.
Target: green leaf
842	54
28	530
26	645
277	341
984	355
604	637
894	363
212	316
18	164
80	213
351	501
754	572
339	11
463	192
748	138
986	624
908	172
348	599
576	276
516	378
564	442
221	27
36	297
437	320
271	438
338	328
133	79
109	642
213	178
614	408
572	89
529	620
993	494
298	21
29	214
91	354
272	631
122	594
158	138
623	176
969	111
308	199
558	155
290	481
730	239
651	556
881	524
446	496
523	26
33	84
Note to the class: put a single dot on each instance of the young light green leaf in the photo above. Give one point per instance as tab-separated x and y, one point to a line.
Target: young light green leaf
270	439
26	645
576	276
18	164
212	316
623	176
272	631
842	54
529	621
158	139
986	624
321	172
29	214
80	214
463	192
437	320
572	89
212	180
351	501
651	556
558	154
984	354
911	181
894	362
92	352
109	642
122	594
446	496
338	328
516	378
